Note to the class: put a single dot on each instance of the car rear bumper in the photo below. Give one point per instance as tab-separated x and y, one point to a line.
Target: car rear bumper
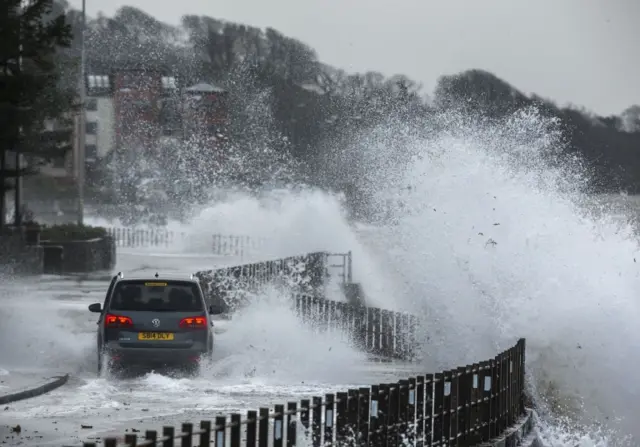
154	356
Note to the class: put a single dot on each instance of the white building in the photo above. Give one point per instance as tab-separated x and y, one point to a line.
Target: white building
100	136
58	167
100	119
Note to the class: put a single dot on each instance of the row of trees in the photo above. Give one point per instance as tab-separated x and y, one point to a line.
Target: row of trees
287	109
316	106
291	115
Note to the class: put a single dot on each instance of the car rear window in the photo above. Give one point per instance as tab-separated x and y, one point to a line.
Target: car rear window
158	296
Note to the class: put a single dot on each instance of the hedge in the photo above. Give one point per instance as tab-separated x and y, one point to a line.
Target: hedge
71	232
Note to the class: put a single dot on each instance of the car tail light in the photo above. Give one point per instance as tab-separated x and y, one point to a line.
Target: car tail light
194	322
111	320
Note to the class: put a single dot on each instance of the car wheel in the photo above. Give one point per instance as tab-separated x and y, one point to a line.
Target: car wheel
192	369
100	360
207	357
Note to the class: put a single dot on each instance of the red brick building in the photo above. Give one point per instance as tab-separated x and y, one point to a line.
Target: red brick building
136	106
137	95
206	110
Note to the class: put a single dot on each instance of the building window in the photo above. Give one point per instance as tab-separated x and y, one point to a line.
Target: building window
169	83
98	81
92	104
91	152
91	128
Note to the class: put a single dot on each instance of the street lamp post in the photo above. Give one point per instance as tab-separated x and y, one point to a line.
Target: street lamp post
79	159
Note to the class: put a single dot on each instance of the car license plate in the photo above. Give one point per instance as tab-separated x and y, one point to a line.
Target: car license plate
155	336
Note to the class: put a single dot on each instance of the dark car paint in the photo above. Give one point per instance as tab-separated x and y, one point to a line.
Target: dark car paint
188	344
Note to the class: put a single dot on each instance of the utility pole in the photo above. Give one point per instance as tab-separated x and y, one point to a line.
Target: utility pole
79	155
17	198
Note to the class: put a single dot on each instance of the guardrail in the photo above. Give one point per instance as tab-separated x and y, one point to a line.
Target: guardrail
376	331
479	404
307	273
379	332
143	238
236	245
223	245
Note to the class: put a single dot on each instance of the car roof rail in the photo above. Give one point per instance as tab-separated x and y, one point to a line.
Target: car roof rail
120	275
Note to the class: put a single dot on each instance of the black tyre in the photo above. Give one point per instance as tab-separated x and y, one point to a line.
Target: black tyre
192	368
100	360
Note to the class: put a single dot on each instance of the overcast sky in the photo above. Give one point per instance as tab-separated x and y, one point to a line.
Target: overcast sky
586	52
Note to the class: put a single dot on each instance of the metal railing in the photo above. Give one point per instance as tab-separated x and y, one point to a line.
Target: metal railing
221	244
380	332
466	406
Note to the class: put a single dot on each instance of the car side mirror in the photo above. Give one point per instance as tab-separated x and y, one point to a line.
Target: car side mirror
95	307
216	309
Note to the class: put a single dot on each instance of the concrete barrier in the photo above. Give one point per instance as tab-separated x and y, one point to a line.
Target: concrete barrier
85	256
53	259
522	433
16	256
35	390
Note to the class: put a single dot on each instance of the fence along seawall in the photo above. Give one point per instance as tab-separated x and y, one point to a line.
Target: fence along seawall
467	406
479	404
221	244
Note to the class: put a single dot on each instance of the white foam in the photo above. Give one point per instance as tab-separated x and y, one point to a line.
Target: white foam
493	244
268	341
490	245
289	222
37	332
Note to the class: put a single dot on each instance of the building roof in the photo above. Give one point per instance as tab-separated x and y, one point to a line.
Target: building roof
147	66
203	87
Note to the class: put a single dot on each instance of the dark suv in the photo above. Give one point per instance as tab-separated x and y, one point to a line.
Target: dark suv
154	322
